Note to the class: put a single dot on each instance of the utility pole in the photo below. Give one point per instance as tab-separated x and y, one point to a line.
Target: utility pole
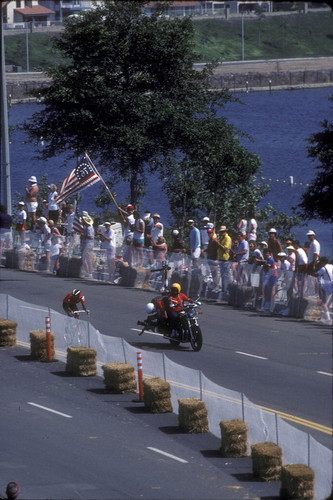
6	198
242	37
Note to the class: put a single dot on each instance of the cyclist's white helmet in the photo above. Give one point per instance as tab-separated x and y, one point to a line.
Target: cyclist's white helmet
150	308
76	292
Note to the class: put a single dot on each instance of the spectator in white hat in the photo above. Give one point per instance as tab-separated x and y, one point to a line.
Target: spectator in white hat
109	244
313	252
325	277
21	221
31	200
204	234
157	229
53	207
195	243
274	245
291	257
282	263
45	232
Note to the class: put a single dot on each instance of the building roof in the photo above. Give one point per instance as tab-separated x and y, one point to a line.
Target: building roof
35	10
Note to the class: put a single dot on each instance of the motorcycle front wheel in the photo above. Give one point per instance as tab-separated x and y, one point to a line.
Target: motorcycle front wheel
196	338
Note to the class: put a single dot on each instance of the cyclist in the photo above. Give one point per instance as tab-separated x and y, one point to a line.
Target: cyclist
71	300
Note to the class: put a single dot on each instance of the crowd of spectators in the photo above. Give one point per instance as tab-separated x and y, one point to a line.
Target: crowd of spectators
223	257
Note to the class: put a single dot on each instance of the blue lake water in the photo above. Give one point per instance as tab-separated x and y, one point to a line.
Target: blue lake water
279	122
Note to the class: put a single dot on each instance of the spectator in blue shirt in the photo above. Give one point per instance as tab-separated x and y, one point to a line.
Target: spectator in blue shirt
195	243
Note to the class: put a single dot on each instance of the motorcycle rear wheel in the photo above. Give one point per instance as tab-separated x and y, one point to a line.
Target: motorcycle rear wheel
196	341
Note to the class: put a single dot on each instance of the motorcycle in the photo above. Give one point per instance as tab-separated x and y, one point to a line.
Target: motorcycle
187	328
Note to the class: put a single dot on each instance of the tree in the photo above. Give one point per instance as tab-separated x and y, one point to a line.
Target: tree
126	92
317	201
214	176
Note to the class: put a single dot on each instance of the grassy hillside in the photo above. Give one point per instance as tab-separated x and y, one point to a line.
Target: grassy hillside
41	51
278	37
265	37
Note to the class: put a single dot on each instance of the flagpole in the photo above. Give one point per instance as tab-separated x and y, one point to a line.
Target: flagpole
106	187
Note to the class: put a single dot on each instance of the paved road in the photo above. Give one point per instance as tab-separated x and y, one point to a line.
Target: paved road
66	437
279	363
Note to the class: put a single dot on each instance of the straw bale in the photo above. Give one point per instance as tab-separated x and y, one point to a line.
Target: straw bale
297	482
81	361
157	395
233	438
7	332
192	415
27	260
266	461
119	378
38	345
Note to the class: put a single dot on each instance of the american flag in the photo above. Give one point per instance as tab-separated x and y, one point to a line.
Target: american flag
77	224
83	176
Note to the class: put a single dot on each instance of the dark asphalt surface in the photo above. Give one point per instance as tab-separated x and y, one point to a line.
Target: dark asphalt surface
294	378
101	452
98	444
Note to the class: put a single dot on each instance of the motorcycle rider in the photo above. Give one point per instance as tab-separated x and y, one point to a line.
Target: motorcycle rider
174	305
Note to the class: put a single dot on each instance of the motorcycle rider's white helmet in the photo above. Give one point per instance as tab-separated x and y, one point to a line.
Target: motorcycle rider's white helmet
150	308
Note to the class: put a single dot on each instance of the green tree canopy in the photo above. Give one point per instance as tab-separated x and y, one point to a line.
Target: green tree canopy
126	92
317	201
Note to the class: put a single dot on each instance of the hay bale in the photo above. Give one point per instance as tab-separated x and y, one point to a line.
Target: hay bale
233	438
157	395
297	482
119	378
7	333
38	345
266	461
81	361
193	417
27	260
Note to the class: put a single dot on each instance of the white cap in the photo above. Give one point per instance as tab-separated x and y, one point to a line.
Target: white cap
311	233
264	243
85	213
205	219
272	230
209	225
107	223
190	221
32	179
42	219
175	232
282	254
21	202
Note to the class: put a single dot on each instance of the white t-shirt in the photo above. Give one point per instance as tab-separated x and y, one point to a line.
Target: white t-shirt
284	266
70	220
130	222
302	257
108	245
52	203
21	216
157	231
325	274
314	248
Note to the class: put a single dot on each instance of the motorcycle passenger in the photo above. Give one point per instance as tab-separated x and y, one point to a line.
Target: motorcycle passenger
71	300
174	305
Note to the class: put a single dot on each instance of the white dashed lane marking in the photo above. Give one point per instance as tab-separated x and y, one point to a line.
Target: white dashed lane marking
167	455
251	355
50	410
